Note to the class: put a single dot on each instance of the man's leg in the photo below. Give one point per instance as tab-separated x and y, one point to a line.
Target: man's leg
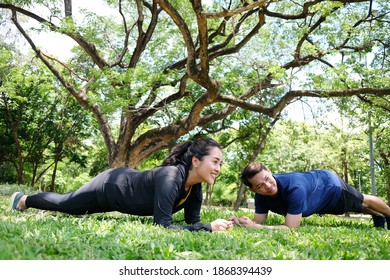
357	202
380	210
373	204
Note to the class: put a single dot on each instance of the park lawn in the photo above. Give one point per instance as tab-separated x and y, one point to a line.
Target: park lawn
45	235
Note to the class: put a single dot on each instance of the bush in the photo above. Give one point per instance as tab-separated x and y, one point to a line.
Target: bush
9	189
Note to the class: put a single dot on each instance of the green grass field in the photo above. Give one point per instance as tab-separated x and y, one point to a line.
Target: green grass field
44	235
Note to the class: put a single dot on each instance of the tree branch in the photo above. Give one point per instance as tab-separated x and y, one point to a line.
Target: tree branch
89	48
229	13
143	37
81	96
180	23
295	94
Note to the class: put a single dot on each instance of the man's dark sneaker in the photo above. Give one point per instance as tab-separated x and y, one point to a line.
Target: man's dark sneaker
388	222
379	221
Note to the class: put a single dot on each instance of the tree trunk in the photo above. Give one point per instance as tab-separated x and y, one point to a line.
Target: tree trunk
240	196
209	193
261	141
15	128
344	164
68	8
386	161
53	177
57	159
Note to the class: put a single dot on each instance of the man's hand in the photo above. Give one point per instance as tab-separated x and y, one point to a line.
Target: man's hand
246	221
243	221
221	225
234	220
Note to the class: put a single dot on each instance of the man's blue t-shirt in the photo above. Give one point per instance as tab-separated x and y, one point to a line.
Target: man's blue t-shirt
312	192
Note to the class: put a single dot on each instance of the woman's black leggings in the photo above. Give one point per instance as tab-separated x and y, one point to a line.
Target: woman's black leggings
86	200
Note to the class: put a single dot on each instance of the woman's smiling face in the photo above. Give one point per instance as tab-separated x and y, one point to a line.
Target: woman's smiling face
209	167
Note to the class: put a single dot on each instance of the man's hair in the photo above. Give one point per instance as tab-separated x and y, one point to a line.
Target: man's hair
250	171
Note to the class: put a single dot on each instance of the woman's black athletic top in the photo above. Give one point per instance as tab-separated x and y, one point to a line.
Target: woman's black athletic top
158	192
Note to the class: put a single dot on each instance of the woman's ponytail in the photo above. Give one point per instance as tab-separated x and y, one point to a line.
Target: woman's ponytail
183	153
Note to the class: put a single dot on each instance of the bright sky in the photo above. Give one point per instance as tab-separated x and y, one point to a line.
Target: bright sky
60	45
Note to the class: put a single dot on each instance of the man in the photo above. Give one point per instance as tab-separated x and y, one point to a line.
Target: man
301	194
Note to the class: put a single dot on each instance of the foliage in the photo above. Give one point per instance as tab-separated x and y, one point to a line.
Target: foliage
374	118
153	72
39	126
40	235
295	146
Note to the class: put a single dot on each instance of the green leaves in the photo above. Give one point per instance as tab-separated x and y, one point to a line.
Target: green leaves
325	8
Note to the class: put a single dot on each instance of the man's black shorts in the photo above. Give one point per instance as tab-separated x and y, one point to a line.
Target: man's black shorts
351	200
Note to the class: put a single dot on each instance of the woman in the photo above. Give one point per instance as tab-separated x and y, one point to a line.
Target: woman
159	192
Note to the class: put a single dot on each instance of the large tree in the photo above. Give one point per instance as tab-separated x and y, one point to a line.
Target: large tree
152	71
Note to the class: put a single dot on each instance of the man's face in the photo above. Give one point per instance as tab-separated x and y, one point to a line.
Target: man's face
264	183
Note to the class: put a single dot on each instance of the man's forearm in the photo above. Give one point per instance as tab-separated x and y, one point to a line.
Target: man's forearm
256	225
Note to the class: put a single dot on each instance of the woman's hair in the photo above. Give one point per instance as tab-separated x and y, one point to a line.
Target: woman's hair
250	171
183	153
